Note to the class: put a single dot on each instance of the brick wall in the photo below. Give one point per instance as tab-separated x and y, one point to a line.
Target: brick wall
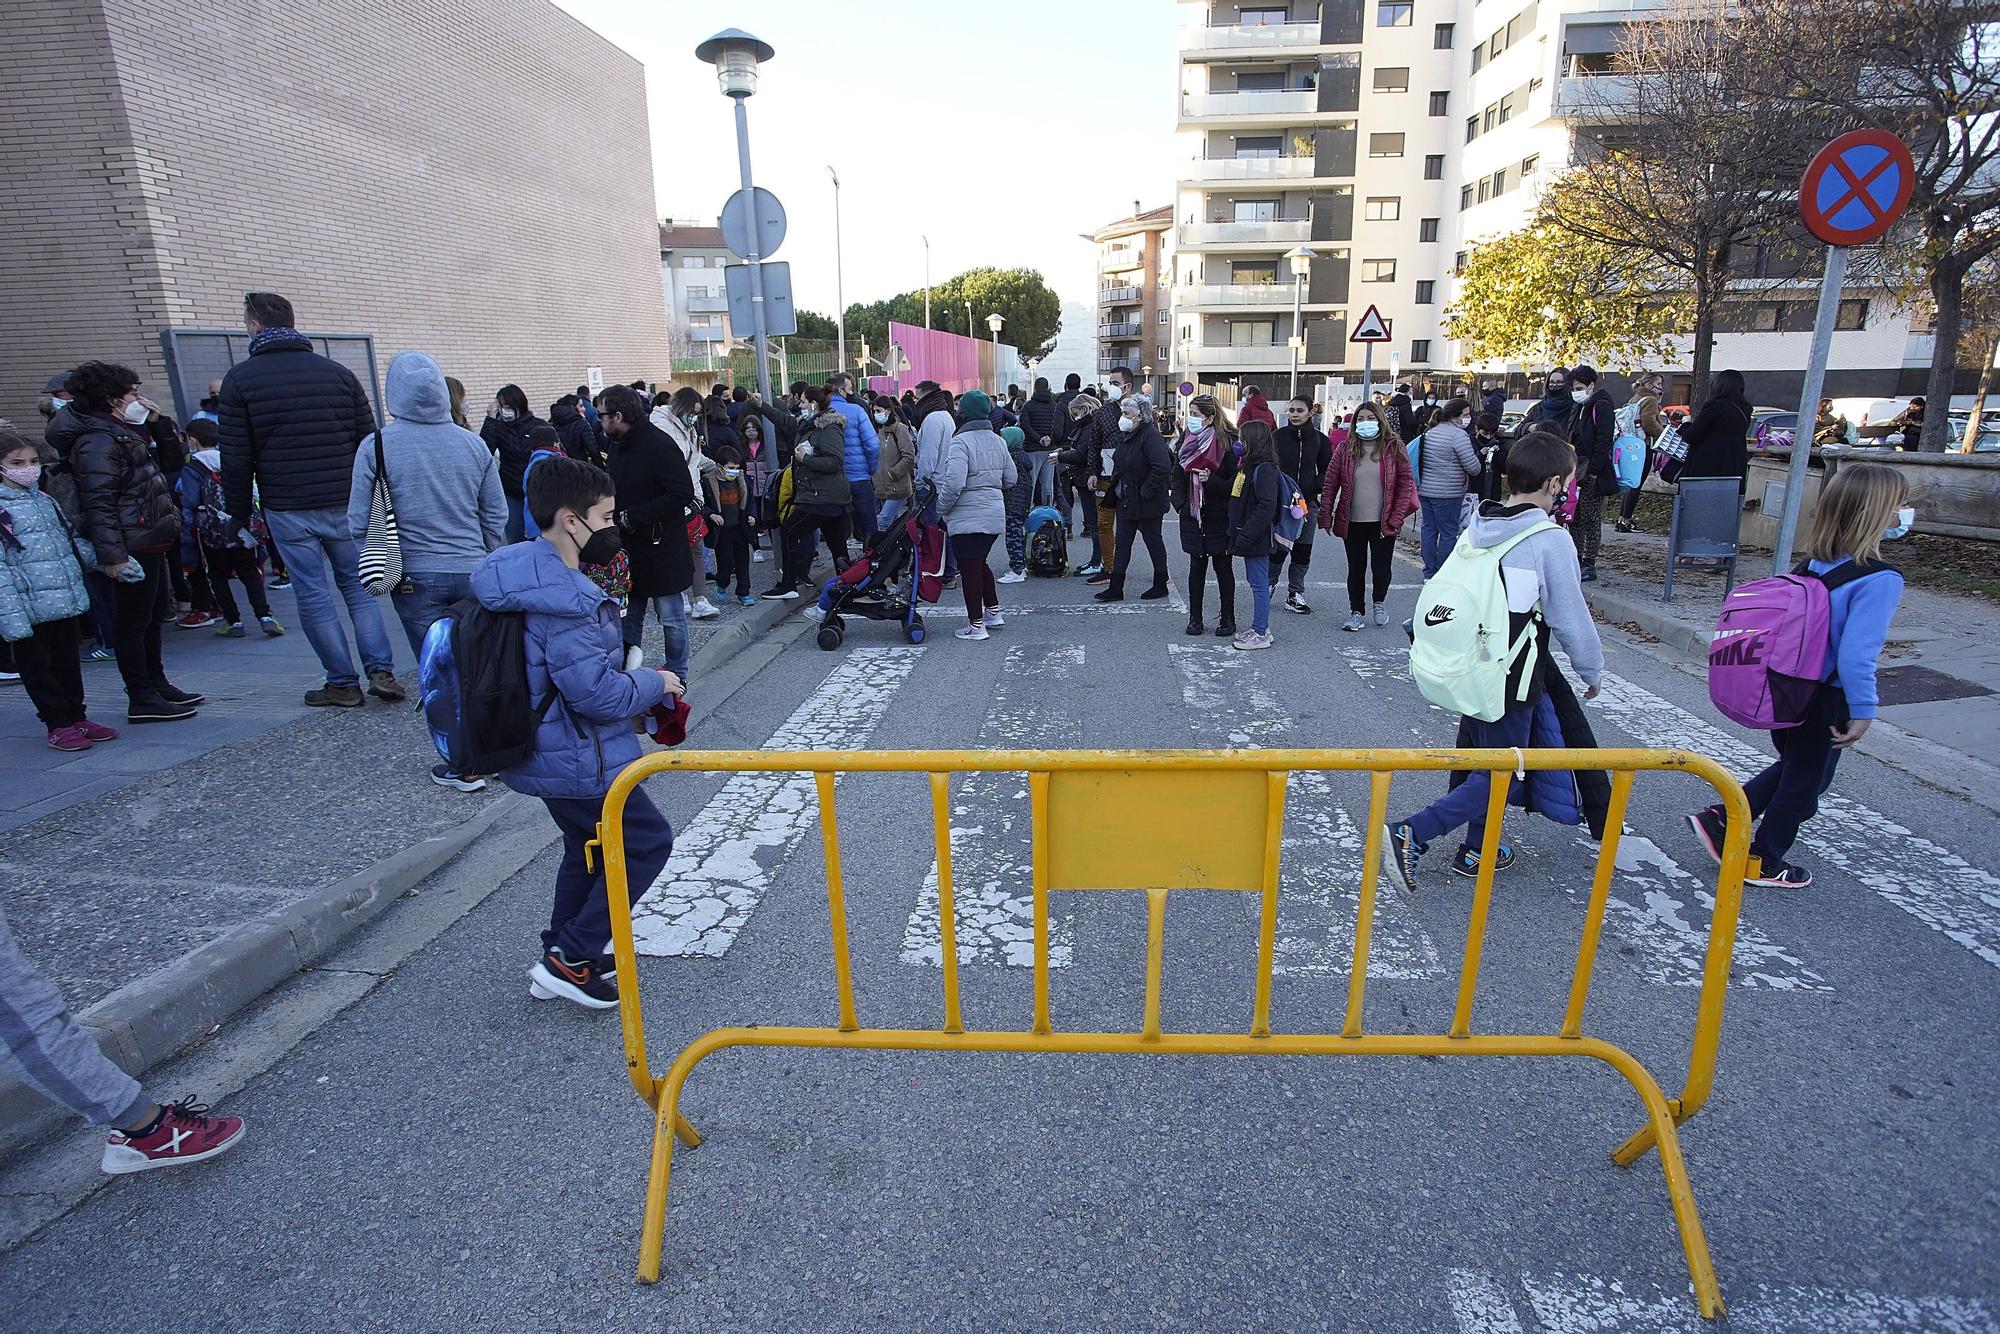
472	179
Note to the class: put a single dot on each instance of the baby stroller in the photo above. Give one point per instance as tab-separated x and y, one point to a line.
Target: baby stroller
1048	542
902	566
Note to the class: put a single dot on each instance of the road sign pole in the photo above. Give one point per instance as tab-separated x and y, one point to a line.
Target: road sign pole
755	256
1802	437
1367	371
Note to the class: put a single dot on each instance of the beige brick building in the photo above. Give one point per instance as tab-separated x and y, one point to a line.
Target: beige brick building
474	179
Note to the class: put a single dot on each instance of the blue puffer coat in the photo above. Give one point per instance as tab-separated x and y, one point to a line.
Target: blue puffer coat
43	579
860	450
574	641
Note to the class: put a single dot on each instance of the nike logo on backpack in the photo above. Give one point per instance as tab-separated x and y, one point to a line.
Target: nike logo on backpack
1437	615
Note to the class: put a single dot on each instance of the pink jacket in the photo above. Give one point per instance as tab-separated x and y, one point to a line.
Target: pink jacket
1399	489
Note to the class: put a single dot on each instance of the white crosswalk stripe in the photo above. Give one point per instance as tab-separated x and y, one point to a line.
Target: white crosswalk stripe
993	905
1586	1304
1321	896
1656	905
727	856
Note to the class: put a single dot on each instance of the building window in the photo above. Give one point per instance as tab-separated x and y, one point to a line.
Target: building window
1530	163
1393	79
1260	81
1163	317
1260	145
1471	128
1434	166
1440	103
1426	292
1255	210
693	262
1767	317
1394	13
1264	18
1385	145
1464	198
1853	316
1382	209
697	291
1253	333
1420	349
1256	272
1458	261
1478	57
1427	229
1490	119
1159	352
1378	270
1485	189
1441	37
1499	182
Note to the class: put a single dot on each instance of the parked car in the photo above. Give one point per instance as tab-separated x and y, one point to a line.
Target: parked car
1988	441
1772	427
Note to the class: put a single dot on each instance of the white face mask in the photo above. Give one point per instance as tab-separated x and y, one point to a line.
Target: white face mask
881	419
1905	517
136	412
1113	392
508	414
1465	422
1368	430
1580	394
1128	424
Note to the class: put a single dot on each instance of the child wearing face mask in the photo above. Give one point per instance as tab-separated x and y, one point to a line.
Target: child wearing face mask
731	525
896	466
586	700
42	560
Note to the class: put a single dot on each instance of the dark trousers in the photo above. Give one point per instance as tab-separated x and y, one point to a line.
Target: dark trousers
975	576
1628	503
103	619
199	586
580	923
1466	803
1302	559
52	672
1225	585
1367	547
1787	793
804	533
732	557
861	507
1587	528
139	608
240	564
1156	547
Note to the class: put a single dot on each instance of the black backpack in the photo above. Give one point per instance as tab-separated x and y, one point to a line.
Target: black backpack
473	677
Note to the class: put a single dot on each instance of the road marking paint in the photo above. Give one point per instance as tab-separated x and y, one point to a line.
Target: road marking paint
1586	1304
992	879
1323	846
728	855
1479	1304
1930	883
1648	907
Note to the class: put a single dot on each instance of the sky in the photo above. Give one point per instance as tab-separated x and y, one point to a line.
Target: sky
987	127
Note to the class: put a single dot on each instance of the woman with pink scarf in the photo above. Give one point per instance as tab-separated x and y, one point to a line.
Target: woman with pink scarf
1205	461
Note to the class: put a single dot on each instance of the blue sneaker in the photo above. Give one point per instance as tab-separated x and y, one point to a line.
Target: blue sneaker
1400	850
1466	863
746	601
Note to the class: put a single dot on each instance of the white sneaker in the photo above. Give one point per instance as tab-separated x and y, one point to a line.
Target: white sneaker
994	620
757	557
1297	602
1250	639
703	610
1381	613
1012	577
973	632
813	613
1355	622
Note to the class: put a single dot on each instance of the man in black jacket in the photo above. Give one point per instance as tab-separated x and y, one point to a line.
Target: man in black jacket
291	422
1592	428
1063	486
1041	422
580	439
1097	437
1303	455
655	498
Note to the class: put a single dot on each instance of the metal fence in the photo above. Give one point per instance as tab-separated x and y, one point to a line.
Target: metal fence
197	356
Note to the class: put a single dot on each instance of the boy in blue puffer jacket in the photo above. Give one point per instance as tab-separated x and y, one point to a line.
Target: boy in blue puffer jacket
42	560
586	702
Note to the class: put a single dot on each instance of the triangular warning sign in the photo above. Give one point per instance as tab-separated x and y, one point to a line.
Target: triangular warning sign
1372	328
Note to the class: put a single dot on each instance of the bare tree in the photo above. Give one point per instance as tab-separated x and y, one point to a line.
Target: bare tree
1682	155
1928	70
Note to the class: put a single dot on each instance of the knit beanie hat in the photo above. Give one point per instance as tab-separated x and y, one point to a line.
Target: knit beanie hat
975	404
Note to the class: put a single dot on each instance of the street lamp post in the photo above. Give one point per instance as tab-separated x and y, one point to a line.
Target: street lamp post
1301	258
970	332
839	300
736	56
927	281
993	322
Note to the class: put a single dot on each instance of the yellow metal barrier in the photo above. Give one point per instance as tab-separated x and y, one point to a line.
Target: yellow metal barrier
1126	790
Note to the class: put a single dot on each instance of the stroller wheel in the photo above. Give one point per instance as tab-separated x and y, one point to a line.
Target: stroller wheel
914	631
837	622
830	637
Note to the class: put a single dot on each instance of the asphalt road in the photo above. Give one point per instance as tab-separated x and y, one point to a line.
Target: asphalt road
448	1154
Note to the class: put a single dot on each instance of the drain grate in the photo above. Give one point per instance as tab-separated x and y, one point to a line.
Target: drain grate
1922	685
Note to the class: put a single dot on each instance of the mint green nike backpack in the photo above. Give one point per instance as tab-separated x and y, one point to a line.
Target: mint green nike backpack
1459	650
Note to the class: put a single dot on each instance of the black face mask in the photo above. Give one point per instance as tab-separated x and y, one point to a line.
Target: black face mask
603	544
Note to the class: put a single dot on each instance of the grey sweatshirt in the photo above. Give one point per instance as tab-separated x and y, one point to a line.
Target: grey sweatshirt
977	469
1449	462
1550	557
445	485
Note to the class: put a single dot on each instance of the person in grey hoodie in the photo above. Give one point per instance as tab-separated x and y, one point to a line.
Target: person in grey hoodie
450	509
1446	464
971	498
1541	574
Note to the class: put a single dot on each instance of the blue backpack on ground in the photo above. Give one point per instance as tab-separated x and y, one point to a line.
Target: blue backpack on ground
1048	542
473	678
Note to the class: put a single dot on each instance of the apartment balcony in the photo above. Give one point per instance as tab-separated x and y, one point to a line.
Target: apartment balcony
1205	170
1287	106
1106	364
708	334
1217	295
1598	98
706	305
1288	231
1225	40
1117	296
1239	356
1130	330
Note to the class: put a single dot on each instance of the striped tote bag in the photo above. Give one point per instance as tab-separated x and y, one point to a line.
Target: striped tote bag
381	550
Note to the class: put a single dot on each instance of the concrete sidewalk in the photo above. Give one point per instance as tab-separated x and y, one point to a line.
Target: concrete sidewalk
168	878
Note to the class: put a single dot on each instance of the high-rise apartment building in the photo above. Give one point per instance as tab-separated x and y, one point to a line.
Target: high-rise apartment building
1134	318
692	257
1391	137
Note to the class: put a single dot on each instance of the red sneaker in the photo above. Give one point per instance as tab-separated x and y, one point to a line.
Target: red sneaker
195	620
96	731
186	1133
67	738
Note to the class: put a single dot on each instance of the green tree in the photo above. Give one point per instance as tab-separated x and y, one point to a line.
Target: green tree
1544	296
1031	309
812	324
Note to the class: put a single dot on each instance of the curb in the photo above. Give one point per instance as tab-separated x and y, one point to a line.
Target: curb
1669	630
176	1006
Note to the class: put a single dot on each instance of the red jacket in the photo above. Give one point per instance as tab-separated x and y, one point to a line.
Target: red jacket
1399	489
1255	408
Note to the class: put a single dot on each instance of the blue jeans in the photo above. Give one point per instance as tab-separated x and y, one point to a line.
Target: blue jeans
861	507
672	609
890	509
1786	794
1257	569
1042	477
311	540
517	527
429	593
42	1044
1466	803
1440	532
580	922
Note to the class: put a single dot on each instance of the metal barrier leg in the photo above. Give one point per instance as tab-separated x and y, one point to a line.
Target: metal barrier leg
1694	1243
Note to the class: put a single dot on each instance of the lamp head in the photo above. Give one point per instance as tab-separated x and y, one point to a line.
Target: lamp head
736	56
1301	258
994	321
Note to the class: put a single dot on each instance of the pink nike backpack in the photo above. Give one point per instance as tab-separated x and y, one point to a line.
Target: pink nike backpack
1771	643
